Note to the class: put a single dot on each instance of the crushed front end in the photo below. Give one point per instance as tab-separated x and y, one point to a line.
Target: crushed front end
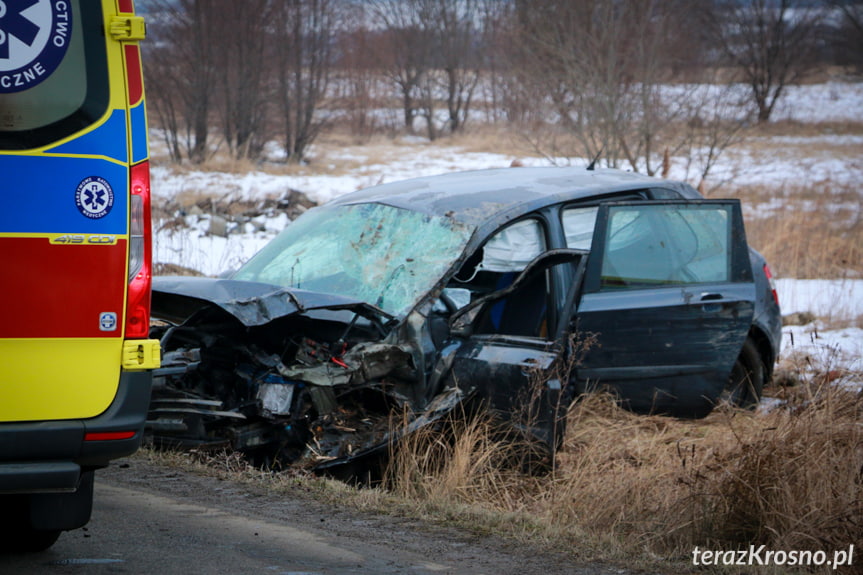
285	376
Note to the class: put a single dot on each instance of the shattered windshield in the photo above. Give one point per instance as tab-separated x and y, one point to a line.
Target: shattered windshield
379	254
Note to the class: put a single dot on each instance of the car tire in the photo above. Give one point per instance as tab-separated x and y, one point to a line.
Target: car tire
746	381
17	535
18	538
32	540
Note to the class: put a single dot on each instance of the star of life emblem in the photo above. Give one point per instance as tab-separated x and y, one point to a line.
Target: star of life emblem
34	37
94	197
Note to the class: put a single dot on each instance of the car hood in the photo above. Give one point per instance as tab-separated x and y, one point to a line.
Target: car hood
175	299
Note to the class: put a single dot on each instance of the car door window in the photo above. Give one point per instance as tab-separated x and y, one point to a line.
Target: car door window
650	246
578	224
501	259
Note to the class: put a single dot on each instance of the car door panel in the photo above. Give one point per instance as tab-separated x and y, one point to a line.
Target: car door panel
669	324
512	375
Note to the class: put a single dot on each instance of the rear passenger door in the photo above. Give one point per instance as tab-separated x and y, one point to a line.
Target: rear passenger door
668	297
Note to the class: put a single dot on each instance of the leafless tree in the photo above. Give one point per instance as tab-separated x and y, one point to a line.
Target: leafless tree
163	100
459	32
770	42
496	40
181	73
405	50
303	54
716	120
238	51
600	65
604	68
850	32
356	84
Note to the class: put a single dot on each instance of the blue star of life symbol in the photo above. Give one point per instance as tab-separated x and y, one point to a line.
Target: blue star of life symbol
94	197
13	24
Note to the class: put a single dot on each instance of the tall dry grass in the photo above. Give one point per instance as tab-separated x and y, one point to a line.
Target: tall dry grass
806	231
463	458
790	479
630	486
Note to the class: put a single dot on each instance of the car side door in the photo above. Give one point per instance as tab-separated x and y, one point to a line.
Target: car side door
667	301
504	342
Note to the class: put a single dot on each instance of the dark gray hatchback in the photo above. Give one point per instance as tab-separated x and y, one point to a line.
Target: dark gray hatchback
521	288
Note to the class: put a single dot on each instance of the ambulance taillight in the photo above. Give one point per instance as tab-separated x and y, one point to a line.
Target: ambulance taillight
140	255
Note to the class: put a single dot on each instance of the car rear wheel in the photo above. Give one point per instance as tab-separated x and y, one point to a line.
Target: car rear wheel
746	382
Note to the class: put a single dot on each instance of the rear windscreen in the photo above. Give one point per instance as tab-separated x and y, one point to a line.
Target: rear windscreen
53	70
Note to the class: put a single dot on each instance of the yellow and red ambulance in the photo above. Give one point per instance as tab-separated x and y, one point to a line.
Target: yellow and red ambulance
75	258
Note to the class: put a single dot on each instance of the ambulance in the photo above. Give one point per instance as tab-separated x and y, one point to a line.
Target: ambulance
75	258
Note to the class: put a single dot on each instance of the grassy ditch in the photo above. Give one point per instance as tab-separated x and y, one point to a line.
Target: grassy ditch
636	487
640	489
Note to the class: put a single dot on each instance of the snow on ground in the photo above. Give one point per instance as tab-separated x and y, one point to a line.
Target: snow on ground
829	300
758	167
833	302
828	102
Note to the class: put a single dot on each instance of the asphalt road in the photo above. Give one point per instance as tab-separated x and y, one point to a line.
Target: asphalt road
148	519
132	531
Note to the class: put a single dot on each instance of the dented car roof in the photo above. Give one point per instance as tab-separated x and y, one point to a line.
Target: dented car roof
487	197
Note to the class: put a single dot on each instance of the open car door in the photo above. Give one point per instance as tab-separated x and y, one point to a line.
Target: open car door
512	365
669	296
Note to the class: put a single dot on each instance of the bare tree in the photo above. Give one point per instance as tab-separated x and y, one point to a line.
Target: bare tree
770	42
164	101
238	52
303	54
850	39
181	73
599	65
404	53
496	39
458	29
606	70
716	120
357	80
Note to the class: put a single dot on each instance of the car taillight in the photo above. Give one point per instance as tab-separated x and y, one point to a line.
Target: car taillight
140	255
772	283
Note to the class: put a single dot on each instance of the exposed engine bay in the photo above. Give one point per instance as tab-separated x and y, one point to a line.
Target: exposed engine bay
288	378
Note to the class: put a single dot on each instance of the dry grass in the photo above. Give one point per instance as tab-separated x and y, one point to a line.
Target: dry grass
634	487
788	479
806	232
470	460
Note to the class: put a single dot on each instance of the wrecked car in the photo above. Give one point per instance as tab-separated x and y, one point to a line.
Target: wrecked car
520	288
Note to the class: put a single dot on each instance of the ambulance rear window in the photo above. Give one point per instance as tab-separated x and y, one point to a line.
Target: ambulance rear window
53	71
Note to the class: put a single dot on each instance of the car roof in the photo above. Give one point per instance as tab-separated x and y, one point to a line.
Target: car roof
479	196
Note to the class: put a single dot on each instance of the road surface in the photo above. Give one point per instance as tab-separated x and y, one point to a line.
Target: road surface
152	519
